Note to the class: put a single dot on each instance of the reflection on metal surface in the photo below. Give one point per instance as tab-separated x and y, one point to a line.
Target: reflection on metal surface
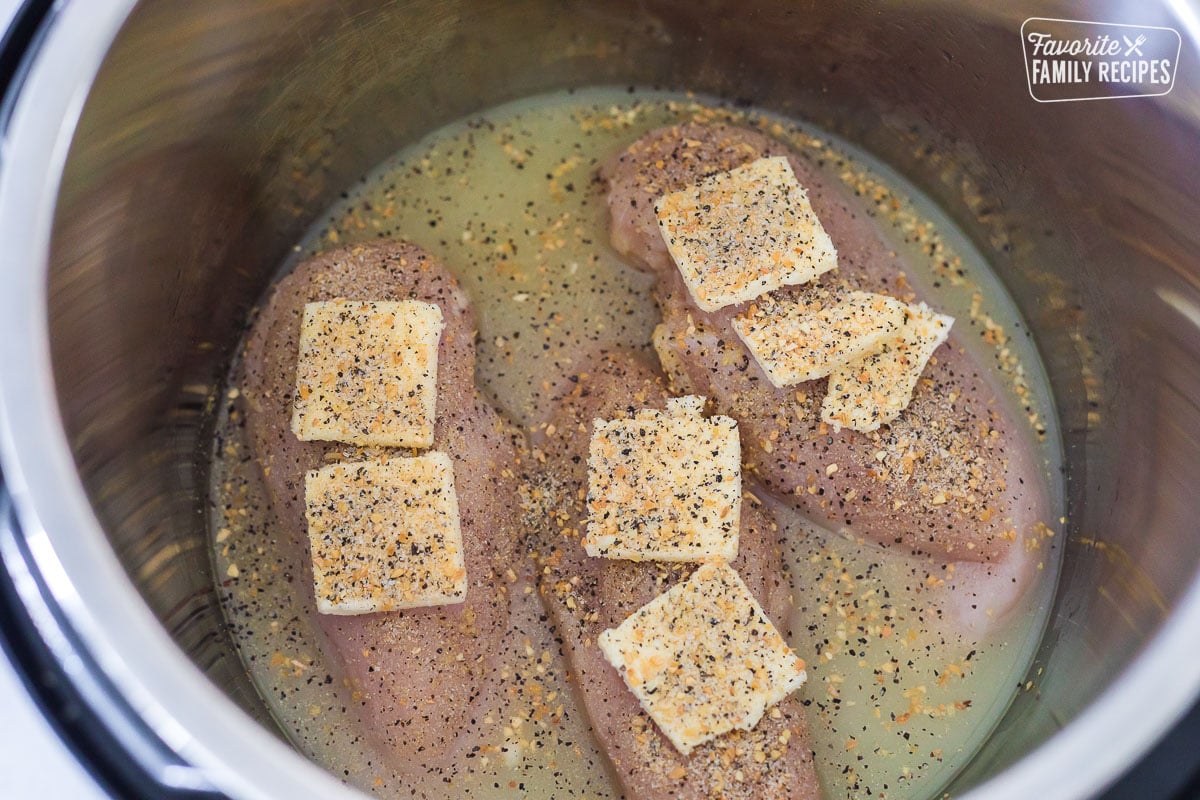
1181	303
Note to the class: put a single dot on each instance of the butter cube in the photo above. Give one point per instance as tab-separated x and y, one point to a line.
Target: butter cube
385	535
703	659
796	341
874	390
739	234
664	485
367	372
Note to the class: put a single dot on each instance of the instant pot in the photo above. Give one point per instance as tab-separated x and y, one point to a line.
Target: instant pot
160	158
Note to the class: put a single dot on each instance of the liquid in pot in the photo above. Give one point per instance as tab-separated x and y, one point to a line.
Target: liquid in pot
903	685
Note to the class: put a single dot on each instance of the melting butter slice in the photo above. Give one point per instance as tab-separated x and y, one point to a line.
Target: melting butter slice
874	390
385	535
664	485
796	341
739	234
367	372
703	659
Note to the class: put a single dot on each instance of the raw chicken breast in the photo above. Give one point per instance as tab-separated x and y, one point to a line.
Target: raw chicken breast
949	479
587	595
422	673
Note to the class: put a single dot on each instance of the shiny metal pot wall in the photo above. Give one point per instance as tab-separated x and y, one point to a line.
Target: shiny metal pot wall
161	158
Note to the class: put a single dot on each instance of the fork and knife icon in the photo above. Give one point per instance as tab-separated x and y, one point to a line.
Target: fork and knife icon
1134	46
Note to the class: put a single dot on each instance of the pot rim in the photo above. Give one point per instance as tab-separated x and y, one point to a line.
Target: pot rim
179	704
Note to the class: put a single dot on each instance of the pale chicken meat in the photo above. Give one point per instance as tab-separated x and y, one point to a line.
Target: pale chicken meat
587	595
420	675
949	479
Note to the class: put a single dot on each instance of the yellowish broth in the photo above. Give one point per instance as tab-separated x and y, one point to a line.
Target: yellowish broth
899	699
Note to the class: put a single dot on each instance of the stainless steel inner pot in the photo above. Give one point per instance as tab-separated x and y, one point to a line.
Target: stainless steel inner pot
161	158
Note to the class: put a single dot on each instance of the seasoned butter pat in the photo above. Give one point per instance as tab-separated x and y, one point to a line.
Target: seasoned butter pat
742	233
702	658
794	341
874	390
367	372
664	485
385	535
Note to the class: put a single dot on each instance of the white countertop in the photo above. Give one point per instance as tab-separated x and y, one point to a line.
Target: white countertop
34	762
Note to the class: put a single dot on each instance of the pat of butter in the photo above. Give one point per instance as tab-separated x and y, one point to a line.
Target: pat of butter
796	341
664	485
703	659
367	372
742	233
874	390
385	535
